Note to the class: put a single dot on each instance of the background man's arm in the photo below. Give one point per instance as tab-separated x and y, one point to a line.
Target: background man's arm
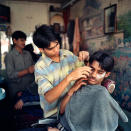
29	70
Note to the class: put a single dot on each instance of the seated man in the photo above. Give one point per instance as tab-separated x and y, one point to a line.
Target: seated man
19	66
91	107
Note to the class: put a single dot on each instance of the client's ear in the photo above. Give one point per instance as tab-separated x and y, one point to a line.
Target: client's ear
107	74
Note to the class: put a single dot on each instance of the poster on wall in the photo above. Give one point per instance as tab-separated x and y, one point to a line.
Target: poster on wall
92	27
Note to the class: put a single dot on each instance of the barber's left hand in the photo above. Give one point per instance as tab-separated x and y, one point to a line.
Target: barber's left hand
83	55
78	85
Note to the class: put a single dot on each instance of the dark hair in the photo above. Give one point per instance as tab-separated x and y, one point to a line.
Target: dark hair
106	61
43	36
18	34
29	47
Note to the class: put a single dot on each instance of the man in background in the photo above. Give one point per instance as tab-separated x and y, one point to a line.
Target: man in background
19	67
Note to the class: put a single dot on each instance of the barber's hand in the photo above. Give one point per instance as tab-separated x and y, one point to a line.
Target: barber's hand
78	85
81	72
83	56
31	69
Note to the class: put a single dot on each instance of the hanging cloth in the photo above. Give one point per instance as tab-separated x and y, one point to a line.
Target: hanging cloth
76	39
65	43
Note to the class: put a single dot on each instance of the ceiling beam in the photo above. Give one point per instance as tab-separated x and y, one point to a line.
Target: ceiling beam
42	1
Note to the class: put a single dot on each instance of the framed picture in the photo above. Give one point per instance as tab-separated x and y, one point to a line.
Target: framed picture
110	19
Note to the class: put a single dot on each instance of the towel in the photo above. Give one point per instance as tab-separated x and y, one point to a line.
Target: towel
92	108
76	38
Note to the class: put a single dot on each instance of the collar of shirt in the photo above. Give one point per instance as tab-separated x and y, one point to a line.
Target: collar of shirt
16	52
48	60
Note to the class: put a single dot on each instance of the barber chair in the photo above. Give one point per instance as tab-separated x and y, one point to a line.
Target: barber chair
46	122
30	113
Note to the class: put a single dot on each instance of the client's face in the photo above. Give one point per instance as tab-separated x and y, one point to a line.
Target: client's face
97	75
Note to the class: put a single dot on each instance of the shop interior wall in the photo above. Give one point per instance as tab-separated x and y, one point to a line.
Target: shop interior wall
26	15
91	16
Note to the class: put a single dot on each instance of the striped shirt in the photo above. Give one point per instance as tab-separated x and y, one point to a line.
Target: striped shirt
49	74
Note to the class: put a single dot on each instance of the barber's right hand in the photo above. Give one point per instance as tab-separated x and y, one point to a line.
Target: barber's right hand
31	69
81	72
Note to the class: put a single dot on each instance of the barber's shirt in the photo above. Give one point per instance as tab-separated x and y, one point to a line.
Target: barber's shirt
49	74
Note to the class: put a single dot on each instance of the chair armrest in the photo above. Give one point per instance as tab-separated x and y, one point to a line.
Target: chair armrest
45	122
34	103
